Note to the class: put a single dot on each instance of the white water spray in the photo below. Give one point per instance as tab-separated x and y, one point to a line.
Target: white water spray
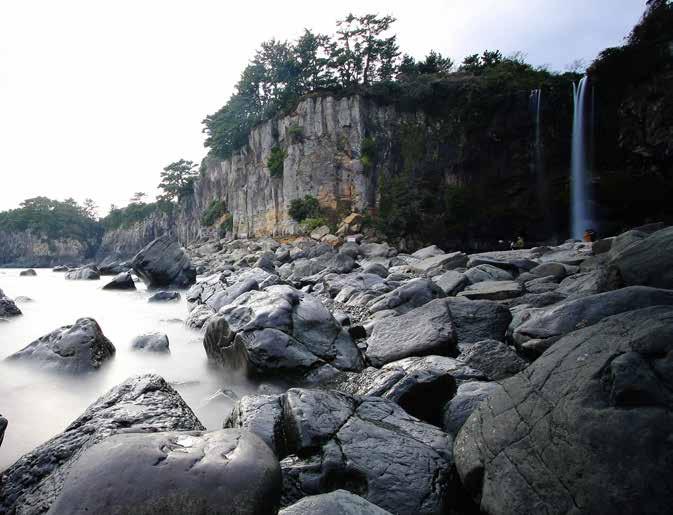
581	217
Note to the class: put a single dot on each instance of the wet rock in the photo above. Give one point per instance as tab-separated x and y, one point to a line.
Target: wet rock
164	262
261	414
339	502
152	342
596	402
78	348
82	274
366	445
409	296
440	263
231	293
492	290
421	386
7	307
646	262
228	470
141	404
3	427
481	273
548	325
28	273
598	280
478	320
468	396
495	359
164	296
122	281
280	331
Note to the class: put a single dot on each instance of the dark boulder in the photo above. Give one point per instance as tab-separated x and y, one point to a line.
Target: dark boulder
366	445
28	273
584	429
7	306
468	396
164	262
647	262
492	290
141	404
164	296
122	281
339	502
410	295
283	332
225	472
478	320
3	427
78	348
152	342
420	332
60	268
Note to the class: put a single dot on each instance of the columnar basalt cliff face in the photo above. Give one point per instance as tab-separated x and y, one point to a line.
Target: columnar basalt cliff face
322	139
26	249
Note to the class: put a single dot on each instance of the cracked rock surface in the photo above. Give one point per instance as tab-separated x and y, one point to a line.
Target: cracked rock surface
584	429
140	404
282	332
227	472
366	445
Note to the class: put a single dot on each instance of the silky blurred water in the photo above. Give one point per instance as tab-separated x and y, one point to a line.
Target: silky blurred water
39	405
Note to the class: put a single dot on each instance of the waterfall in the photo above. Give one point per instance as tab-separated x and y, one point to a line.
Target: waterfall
581	218
536	161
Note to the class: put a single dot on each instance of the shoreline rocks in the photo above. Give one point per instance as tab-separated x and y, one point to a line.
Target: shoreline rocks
163	262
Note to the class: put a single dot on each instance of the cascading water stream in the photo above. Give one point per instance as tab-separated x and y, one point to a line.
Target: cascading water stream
581	218
536	162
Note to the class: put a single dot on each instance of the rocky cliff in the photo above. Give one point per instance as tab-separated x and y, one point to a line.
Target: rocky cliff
27	249
124	242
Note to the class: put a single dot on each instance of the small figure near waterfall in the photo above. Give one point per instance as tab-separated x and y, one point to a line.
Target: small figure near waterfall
589	235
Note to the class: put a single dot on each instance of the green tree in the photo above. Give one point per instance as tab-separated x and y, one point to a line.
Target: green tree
138	197
177	180
90	208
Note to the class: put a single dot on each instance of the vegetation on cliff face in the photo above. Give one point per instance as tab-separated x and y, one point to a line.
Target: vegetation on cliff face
54	220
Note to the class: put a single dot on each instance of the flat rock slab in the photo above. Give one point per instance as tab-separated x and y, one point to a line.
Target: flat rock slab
584	429
493	290
229	471
420	332
139	404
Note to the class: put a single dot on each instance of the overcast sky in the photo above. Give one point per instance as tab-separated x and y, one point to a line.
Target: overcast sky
96	97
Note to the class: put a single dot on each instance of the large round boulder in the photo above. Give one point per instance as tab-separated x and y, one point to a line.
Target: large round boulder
339	502
229	471
585	429
282	332
140	404
163	262
646	261
81	347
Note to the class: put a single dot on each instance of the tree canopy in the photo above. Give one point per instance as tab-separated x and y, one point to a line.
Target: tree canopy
177	180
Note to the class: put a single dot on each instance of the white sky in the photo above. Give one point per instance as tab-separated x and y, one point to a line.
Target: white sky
96	97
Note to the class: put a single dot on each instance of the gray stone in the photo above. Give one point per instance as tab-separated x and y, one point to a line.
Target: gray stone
231	293
557	270
481	273
598	280
451	282
122	281
164	296
586	428
376	269
141	404
468	396
478	320
199	316
372	250
409	296
495	359
319	232
427	252
421	332
421	386
220	472
164	262
280	331
493	290
551	323
3	427
339	502
152	342
7	307
440	262
648	262
28	273
78	348
82	274
261	414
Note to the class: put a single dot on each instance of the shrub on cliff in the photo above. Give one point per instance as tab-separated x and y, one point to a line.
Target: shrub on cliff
275	161
215	210
301	209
